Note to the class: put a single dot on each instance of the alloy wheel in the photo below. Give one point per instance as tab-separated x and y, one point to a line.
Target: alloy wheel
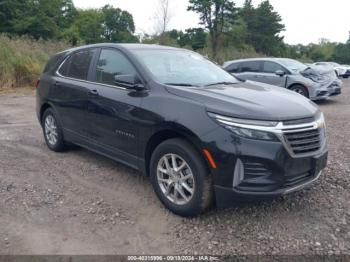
51	130
299	91
175	179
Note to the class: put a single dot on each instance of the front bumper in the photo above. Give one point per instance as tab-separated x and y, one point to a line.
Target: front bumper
265	169
226	197
346	74
323	91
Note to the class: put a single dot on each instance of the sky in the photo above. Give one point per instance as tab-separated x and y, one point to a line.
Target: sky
306	21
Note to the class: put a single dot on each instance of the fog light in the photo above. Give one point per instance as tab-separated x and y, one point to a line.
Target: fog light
238	175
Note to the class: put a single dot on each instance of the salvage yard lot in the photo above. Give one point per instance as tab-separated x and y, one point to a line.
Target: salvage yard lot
82	203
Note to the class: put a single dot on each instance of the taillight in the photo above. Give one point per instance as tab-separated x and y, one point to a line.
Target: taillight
37	83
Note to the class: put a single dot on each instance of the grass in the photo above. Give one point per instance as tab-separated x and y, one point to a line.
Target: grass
22	59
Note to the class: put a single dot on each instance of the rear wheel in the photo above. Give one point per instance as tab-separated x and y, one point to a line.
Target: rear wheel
52	131
300	90
180	178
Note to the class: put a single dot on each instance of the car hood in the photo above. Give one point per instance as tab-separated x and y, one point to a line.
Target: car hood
323	70
250	100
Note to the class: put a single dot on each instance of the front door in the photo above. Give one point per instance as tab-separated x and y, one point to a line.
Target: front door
112	109
269	75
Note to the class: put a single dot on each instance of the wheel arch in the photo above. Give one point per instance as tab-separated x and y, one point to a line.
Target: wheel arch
44	107
168	133
299	84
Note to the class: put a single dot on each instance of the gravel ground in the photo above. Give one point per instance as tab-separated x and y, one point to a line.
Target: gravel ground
81	203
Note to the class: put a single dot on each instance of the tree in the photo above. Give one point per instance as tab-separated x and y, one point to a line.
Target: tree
214	15
342	53
196	38
264	26
163	16
37	18
10	11
118	25
87	27
237	34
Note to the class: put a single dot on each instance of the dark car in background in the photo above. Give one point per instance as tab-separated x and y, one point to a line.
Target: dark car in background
311	82
200	134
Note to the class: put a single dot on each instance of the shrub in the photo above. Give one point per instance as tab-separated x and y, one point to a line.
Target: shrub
22	59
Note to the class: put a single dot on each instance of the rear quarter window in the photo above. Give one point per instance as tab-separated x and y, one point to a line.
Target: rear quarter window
53	63
233	68
77	65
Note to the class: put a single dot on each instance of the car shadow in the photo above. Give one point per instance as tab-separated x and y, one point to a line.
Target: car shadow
325	102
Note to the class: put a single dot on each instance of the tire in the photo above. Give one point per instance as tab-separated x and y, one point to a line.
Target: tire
300	90
200	183
52	131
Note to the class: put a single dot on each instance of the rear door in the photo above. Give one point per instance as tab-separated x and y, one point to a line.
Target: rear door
113	110
71	91
250	70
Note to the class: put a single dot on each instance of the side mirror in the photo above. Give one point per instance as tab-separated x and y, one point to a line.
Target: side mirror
280	73
129	82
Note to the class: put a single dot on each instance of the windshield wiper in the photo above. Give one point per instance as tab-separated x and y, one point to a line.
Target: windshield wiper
221	83
178	84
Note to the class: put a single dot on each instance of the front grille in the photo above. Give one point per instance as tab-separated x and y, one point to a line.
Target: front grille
303	142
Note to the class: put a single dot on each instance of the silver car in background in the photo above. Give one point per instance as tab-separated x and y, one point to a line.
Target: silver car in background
311	82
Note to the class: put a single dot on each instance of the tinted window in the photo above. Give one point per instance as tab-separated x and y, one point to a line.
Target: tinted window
271	67
112	63
233	68
77	66
53	62
251	66
64	68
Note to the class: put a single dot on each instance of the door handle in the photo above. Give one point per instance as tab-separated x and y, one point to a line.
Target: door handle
93	92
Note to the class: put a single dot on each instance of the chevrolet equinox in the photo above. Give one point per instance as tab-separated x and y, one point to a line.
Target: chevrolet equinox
200	134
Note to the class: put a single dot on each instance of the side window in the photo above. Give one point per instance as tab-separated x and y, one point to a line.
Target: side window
233	68
112	63
77	66
250	66
271	67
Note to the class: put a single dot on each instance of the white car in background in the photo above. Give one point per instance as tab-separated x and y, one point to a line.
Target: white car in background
342	71
347	74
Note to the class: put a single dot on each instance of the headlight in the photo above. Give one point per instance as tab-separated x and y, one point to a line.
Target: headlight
246	128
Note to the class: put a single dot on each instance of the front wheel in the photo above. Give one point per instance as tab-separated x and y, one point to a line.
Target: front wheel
300	90
180	178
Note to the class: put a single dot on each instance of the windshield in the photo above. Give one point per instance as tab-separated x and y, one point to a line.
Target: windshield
293	65
333	64
180	67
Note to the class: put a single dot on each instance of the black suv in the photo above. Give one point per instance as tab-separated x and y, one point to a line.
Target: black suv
199	133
